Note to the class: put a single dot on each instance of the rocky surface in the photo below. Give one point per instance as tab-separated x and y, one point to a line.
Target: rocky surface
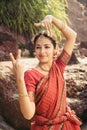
4	125
76	81
7	45
10	109
77	11
83	48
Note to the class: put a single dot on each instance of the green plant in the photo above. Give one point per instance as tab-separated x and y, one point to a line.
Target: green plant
21	46
20	15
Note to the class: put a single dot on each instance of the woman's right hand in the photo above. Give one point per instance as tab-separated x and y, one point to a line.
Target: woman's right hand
46	23
17	67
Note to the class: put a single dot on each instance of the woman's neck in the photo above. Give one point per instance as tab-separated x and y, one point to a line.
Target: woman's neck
45	66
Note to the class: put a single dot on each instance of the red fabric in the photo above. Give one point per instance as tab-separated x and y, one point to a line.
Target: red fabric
32	77
50	93
51	112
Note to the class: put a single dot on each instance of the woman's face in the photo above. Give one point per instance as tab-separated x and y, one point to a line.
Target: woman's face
44	50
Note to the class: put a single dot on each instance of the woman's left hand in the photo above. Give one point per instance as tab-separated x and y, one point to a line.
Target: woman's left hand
47	23
17	67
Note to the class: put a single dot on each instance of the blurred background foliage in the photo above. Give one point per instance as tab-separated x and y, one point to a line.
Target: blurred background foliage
20	15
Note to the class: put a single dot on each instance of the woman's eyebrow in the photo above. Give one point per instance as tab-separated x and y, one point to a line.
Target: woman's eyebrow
46	44
37	44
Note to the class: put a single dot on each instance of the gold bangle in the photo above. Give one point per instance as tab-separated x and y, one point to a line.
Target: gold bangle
23	95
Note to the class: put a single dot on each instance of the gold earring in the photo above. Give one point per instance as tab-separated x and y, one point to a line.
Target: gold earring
55	55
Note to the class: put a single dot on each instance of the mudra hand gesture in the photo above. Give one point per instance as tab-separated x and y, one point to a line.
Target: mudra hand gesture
47	23
17	68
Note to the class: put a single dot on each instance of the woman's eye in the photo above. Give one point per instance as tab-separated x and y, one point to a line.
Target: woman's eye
37	47
47	47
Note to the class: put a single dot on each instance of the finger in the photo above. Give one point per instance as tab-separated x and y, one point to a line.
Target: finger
48	29
12	58
38	24
18	55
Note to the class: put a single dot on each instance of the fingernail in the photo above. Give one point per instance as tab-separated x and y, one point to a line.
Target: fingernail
10	53
48	33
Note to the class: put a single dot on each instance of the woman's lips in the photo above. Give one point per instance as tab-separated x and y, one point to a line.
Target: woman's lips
42	56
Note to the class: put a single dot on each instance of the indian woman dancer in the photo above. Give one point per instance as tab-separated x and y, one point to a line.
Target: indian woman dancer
42	90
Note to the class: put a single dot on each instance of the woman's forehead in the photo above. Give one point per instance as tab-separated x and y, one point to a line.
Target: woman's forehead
43	40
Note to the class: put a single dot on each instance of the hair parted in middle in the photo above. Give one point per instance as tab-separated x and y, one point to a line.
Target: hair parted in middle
44	34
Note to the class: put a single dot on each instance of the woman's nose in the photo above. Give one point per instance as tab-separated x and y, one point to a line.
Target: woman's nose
42	50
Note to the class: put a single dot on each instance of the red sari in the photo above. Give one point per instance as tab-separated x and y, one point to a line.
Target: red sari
52	112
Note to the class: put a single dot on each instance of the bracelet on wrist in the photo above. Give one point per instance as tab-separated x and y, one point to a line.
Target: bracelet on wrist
23	95
63	26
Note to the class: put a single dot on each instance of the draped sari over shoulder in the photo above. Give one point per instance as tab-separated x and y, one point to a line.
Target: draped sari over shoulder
51	110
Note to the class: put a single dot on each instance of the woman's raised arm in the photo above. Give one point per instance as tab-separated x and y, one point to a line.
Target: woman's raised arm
26	105
68	33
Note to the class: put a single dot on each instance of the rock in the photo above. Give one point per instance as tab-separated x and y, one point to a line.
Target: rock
30	47
77	11
83	44
7	35
19	38
7	45
73	59
2	55
84	127
10	108
4	125
83	48
84	2
76	83
83	52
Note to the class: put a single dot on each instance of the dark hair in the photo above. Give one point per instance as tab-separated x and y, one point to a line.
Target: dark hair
53	41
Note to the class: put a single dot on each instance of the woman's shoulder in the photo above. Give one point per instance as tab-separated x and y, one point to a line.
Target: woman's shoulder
33	73
62	60
28	72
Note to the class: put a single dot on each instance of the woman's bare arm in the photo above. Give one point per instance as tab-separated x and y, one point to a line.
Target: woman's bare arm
27	106
68	33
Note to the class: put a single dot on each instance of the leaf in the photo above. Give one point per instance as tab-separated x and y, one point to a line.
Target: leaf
20	15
